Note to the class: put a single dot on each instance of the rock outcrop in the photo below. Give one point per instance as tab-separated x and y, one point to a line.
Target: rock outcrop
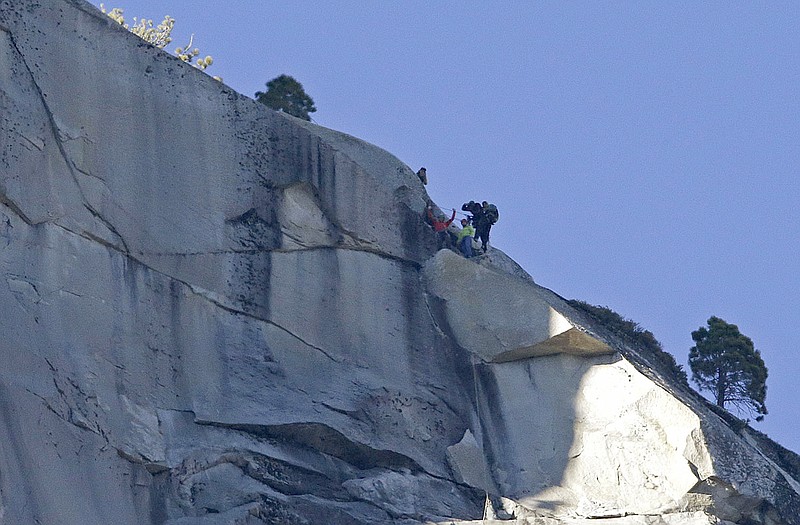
214	313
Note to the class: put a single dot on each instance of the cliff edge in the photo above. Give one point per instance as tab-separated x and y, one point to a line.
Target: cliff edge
214	313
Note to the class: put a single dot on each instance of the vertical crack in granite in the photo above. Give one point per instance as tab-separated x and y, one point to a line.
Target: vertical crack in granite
56	134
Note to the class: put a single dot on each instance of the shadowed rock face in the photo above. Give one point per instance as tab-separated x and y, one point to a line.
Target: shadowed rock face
214	313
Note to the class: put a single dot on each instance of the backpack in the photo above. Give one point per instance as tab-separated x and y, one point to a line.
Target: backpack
492	214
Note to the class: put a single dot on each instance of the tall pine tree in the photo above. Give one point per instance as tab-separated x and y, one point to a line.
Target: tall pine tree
725	363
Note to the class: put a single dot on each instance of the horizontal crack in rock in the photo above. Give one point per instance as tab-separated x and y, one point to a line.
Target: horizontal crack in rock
327	440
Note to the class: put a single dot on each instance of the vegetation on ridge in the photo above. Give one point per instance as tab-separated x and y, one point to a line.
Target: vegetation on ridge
160	36
723	361
632	333
284	93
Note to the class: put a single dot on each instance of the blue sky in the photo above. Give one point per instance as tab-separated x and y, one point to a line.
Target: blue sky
644	155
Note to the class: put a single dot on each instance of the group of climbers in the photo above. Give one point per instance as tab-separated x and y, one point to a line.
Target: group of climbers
483	217
477	224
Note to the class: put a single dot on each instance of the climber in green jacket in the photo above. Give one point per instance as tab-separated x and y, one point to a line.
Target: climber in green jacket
464	239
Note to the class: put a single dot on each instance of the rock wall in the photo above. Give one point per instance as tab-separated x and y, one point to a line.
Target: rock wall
214	313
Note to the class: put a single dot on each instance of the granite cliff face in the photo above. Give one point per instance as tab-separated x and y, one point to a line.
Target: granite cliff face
218	314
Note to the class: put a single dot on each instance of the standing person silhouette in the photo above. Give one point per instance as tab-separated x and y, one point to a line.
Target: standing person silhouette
483	223
423	175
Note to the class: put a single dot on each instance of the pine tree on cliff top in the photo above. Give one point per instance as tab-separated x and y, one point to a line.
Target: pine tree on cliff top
725	363
286	94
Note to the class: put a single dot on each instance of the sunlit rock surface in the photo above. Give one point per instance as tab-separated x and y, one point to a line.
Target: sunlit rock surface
217	314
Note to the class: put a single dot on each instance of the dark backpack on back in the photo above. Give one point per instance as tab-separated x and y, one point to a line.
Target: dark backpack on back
491	213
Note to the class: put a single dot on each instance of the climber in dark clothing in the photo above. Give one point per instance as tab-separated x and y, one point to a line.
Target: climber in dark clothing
475	209
423	175
440	226
483	216
486	218
482	227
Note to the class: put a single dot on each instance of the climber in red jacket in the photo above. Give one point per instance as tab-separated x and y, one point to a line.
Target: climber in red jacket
440	226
